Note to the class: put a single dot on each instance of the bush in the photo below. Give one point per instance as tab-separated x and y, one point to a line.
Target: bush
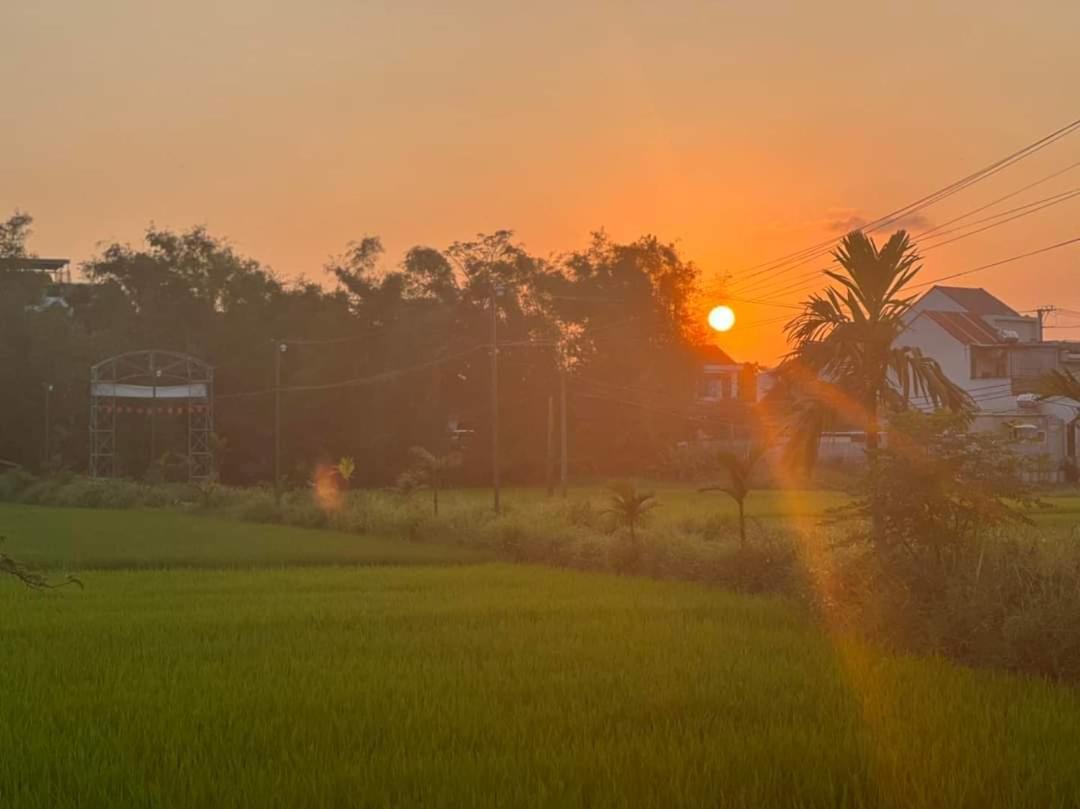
14	482
942	559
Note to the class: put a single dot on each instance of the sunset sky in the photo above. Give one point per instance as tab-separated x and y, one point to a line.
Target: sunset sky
743	131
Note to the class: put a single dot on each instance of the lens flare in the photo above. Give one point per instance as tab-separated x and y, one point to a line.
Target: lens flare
326	488
722	318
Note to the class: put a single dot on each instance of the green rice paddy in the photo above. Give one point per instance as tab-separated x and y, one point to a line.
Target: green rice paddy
388	678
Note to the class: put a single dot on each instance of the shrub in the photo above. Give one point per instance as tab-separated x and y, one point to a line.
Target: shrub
14	482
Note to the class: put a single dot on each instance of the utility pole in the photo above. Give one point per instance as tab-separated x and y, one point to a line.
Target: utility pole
562	428
495	482
153	421
279	349
48	425
550	466
1042	312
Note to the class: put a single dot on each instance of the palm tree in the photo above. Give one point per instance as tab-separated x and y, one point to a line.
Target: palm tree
844	361
629	506
739	470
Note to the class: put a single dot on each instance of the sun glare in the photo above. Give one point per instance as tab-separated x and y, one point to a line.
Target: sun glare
722	318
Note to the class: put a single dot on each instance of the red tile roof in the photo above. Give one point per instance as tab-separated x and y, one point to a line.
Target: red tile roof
967	328
978	301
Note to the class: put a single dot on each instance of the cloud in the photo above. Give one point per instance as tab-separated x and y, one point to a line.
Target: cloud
845	220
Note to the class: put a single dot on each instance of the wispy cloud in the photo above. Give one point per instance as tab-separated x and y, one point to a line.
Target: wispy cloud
845	220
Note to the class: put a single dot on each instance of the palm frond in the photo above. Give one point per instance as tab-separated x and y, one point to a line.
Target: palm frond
916	375
1059	383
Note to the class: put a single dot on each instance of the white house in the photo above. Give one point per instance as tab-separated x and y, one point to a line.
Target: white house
997	354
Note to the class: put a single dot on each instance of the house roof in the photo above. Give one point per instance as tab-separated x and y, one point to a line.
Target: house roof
713	355
28	263
978	301
967	328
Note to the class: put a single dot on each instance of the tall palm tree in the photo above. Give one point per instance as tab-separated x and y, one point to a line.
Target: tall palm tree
844	361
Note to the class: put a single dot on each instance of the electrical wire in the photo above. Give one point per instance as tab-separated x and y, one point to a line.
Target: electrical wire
801	257
360	381
802	286
807	280
993	264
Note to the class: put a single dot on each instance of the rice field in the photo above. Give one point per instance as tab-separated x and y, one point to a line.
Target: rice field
215	663
76	540
489	685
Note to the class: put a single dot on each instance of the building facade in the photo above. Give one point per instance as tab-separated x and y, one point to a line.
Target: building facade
998	355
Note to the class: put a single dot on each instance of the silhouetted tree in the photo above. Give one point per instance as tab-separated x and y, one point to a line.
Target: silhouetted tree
845	362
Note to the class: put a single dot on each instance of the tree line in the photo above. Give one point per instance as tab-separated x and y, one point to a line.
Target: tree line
408	341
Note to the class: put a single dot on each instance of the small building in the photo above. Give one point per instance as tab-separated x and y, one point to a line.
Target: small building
998	355
722	379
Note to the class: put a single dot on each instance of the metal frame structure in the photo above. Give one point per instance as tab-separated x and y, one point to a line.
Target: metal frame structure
130	375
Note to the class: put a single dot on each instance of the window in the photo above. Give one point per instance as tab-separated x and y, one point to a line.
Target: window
718	386
988	363
1028	433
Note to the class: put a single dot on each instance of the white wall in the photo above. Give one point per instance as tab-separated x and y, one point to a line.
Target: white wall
954	358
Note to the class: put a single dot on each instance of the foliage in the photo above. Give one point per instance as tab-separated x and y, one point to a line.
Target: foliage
954	568
938	490
629	506
845	365
408	338
1059	383
346	467
14	233
740	471
428	471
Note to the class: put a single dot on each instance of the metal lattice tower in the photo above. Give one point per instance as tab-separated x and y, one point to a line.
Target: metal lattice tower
154	375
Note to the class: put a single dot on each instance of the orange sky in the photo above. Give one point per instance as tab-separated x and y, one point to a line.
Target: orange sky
741	130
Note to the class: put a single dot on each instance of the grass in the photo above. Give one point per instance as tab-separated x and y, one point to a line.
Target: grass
492	685
677	500
84	539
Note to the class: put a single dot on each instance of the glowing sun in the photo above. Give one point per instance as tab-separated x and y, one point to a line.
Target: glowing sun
722	318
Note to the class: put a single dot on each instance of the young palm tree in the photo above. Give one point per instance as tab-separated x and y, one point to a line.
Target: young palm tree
629	506
739	469
844	361
430	470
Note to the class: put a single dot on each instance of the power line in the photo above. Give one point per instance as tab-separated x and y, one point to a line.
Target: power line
971	271
367	380
822	247
992	264
808	281
999	200
641	405
1055	201
328	341
805	255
